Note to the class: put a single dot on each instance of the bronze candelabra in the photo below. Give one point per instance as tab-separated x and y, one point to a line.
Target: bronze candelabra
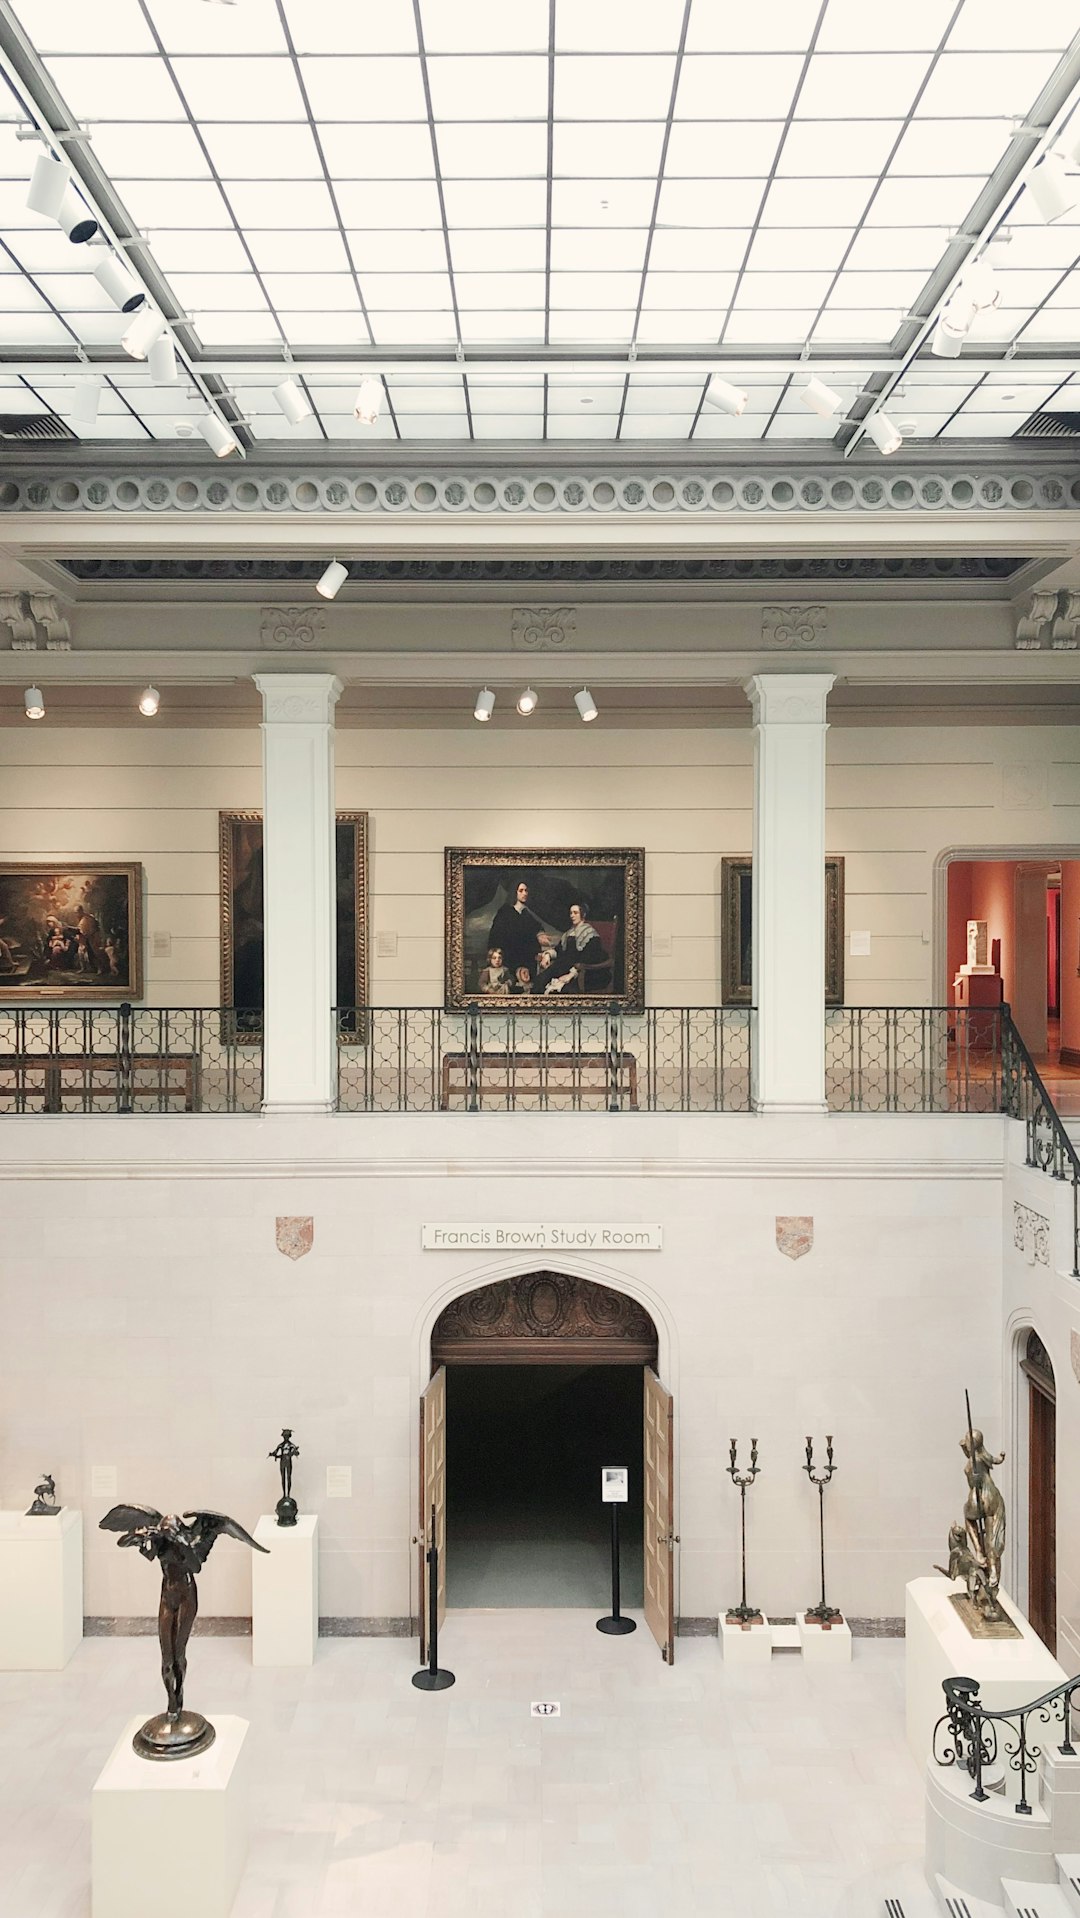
822	1613
744	1614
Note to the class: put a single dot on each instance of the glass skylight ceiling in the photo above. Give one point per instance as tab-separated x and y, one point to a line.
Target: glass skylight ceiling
546	219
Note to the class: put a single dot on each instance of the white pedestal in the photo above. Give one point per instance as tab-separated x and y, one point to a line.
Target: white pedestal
170	1838
750	1647
821	1647
1009	1671
285	1592
41	1591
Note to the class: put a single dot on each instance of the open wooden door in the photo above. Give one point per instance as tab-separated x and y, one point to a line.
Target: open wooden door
660	1537
432	1493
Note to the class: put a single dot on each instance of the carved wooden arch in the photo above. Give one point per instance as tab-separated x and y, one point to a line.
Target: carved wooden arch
544	1318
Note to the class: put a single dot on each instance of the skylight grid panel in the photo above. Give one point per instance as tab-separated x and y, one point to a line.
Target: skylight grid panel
800	424
484	26
568	327
674	326
584	426
1026	288
717	25
798	249
238	329
688	290
432	426
853	327
262	88
263	151
121	426
851	26
219	292
317	327
495	202
837	82
707	149
344	426
864	289
509	426
981	426
176	203
144	150
712	425
602	202
1029	246
916	248
673	424
277	203
708	249
1022	399
928	399
579	290
607	149
942	146
740	87
941	202
406	290
817	202
326	26
71	26
998	324
965	84
998	24
619	250
17	295
413	329
117	88
95	329
829	148
79	291
464	88
296	251
448	400
33	329
312	292
590	26
783	289
159	402
198	250
1055	324
615	86
254	27
410	250
492	148
388	87
504	290
488	396
701	202
502	329
372	150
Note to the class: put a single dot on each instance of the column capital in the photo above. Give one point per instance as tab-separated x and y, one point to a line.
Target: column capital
789	699
304	699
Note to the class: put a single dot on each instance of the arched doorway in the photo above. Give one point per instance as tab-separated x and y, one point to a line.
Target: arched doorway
537	1382
1042	1490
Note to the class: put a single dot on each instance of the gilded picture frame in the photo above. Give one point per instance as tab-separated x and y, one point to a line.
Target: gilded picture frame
71	931
736	924
241	908
582	925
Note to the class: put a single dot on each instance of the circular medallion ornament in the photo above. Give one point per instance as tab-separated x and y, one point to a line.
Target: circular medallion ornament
542	1305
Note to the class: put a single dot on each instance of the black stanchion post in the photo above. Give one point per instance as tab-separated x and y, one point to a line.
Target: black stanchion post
613	1481
431	1678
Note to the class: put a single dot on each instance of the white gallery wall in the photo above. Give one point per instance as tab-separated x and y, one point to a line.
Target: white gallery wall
149	1324
897	798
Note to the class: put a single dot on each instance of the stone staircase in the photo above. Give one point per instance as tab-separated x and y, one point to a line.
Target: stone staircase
1018	1899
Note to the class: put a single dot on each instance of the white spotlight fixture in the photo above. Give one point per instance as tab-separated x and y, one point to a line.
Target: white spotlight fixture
146	328
161	360
48	184
332	581
485	702
821	399
292	402
585	704
946	342
79	224
1051	189
369	402
149	701
730	399
34	702
886	436
85	399
112	275
528	701
217	435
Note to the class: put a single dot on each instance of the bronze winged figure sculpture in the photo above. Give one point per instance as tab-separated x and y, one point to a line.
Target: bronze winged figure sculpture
181	1544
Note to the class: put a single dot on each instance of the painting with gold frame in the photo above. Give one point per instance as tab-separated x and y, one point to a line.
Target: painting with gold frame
70	931
736	926
578	934
241	862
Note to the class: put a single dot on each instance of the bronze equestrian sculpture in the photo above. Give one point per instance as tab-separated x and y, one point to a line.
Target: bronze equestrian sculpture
181	1545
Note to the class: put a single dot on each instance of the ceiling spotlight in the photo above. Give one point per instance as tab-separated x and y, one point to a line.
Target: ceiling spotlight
292	402
527	702
730	399
146	328
946	343
48	184
34	702
332	581
886	437
111	274
369	402
485	702
149	701
1051	189
218	436
79	224
85	399
161	360
585	704
821	399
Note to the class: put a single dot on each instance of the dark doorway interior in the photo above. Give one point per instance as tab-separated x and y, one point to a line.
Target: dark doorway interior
525	1445
1042	1491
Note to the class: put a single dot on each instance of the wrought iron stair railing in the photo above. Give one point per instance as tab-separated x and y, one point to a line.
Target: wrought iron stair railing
1047	1143
967	1734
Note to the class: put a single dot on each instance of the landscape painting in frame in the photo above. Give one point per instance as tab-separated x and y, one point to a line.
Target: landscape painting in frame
70	932
242	984
544	931
736	931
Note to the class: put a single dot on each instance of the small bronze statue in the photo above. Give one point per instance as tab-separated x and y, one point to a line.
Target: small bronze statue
44	1494
181	1544
285	1453
976	1545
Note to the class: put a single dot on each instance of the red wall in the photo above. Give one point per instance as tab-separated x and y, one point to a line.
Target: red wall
1070	954
983	889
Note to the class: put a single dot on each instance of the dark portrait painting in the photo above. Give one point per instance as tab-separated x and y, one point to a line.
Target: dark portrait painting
544	930
70	932
737	925
241	841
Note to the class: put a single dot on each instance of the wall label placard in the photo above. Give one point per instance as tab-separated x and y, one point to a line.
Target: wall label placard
542	1238
614	1484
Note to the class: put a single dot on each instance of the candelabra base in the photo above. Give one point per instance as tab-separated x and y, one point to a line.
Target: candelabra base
826	1615
744	1615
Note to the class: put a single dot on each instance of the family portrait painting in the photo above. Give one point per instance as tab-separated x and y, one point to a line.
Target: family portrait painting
544	930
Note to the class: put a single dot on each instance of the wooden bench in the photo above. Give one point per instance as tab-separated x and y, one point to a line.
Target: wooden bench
501	1077
83	1078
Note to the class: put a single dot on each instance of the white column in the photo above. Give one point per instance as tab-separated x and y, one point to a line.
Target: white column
299	1046
789	889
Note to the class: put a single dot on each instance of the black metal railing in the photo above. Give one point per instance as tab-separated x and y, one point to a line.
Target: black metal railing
491	1059
978	1740
913	1059
129	1059
1047	1144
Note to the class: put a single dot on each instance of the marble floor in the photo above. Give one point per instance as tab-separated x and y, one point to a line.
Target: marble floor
658	1791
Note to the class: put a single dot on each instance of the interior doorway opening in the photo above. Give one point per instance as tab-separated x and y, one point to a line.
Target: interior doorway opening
1038	1370
524	1520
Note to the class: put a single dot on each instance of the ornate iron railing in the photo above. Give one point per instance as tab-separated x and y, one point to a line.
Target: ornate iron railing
1047	1144
492	1059
129	1059
913	1059
968	1735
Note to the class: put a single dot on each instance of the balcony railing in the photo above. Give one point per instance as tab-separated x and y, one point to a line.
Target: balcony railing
913	1059
129	1059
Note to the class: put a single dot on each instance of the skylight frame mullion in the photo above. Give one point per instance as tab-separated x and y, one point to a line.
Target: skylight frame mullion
664	143
550	191
425	81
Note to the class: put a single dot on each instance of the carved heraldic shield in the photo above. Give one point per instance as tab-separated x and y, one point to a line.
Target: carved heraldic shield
794	1236
294	1236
